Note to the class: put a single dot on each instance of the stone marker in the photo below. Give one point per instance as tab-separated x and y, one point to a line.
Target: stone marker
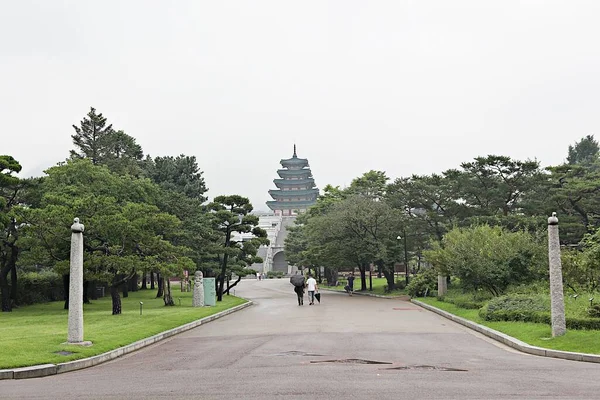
442	285
198	290
75	332
559	327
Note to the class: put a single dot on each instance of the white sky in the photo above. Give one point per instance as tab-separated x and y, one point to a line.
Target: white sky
400	86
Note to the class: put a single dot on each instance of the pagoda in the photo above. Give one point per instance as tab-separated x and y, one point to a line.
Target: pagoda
296	189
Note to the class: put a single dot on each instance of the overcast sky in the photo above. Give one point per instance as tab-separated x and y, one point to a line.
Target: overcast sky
399	86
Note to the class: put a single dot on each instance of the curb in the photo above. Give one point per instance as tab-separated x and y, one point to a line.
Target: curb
511	341
402	297
37	371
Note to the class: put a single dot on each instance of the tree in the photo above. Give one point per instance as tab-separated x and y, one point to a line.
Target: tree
90	138
231	214
371	184
584	152
180	174
489	258
125	230
9	247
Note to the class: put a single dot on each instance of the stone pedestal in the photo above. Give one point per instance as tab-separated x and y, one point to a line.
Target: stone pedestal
198	300
442	285
75	327
557	301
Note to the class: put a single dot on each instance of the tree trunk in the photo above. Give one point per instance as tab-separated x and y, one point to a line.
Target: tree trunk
168	299
233	285
133	283
160	286
223	267
6	303
116	300
363	277
331	276
13	286
151	280
125	287
389	277
86	287
66	284
144	281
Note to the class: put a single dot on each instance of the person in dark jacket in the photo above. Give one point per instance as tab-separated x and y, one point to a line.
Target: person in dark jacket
300	293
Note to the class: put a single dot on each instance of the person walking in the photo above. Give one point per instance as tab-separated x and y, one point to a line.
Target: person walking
299	282
350	287
311	286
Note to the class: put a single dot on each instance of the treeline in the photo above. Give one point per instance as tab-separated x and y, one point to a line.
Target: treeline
484	222
144	218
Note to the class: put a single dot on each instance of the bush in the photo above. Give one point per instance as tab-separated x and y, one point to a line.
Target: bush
594	311
39	287
516	307
425	282
274	274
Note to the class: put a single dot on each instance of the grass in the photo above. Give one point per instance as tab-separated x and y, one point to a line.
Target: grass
581	341
32	335
378	286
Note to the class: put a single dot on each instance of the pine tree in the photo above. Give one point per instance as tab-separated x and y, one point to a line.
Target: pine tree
90	138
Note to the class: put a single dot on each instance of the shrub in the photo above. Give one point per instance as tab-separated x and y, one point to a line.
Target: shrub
274	274
39	287
594	311
516	307
424	282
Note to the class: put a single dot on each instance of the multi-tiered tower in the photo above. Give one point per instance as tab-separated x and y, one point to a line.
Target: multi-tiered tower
296	187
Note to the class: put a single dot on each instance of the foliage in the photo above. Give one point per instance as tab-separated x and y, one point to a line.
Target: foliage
274	274
584	151
232	214
424	282
177	174
40	287
489	257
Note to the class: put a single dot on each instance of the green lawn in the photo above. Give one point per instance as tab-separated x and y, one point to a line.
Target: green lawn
378	286
581	341
33	334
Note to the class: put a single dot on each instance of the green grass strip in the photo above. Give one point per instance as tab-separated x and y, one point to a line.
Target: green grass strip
540	335
32	335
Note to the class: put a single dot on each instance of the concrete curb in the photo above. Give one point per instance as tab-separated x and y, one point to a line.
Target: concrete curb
36	371
511	341
403	297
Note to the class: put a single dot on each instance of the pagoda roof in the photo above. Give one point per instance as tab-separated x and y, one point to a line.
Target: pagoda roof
295	162
294	172
294	182
287	205
293	193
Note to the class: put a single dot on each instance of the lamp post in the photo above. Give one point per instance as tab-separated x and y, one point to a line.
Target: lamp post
405	254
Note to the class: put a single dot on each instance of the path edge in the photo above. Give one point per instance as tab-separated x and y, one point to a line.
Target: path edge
511	341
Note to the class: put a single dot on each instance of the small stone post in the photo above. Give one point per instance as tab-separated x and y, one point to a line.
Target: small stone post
198	300
442	285
75	330
559	327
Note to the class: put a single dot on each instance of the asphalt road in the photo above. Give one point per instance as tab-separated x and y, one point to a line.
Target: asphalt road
277	349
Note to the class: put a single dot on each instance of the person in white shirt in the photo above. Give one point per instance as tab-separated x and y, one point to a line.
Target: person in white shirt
311	287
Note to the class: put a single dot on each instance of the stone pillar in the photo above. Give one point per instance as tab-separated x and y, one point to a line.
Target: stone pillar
559	327
442	285
75	330
198	300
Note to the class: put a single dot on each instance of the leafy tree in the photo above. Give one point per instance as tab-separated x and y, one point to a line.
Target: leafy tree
180	174
371	184
495	184
90	137
9	247
489	258
232	214
584	152
125	230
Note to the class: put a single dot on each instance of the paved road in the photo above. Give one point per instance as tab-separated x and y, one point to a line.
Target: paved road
277	349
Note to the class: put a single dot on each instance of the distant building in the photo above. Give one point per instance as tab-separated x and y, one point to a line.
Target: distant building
295	194
296	189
